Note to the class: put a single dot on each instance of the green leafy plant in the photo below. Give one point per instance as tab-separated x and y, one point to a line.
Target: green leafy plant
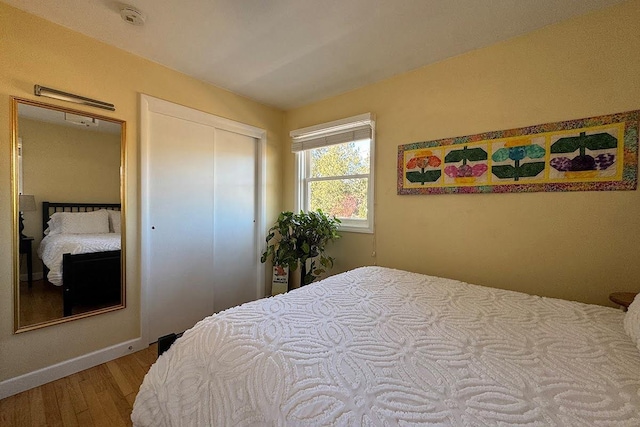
300	240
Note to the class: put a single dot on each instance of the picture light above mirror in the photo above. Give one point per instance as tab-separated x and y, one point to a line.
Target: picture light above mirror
70	97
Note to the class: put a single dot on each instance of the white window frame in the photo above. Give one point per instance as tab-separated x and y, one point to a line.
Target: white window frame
20	168
317	136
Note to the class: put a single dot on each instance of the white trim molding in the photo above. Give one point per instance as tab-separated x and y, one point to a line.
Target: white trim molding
68	367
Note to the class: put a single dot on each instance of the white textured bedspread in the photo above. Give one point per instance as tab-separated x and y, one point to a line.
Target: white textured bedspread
53	247
381	347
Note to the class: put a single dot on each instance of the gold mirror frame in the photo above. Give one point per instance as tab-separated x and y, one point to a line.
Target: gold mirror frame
15	102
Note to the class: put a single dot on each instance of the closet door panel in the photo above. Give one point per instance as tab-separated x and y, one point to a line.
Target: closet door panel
180	204
235	254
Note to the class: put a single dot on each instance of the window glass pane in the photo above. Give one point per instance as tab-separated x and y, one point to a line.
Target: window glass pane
344	198
350	158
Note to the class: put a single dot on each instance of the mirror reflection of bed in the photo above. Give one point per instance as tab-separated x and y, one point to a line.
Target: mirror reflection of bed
80	253
68	167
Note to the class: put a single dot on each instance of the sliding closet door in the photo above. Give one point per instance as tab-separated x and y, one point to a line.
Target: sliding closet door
234	219
180	239
202	218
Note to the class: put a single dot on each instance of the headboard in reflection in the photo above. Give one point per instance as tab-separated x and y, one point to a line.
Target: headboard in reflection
68	214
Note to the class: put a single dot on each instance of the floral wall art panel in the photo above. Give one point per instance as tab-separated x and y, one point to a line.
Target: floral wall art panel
596	153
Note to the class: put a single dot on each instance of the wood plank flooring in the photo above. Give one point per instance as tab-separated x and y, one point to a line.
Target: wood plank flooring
39	303
43	302
100	396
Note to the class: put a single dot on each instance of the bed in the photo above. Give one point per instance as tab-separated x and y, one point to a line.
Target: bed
81	252
382	347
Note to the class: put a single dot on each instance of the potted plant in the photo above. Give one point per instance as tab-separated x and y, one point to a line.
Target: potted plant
300	240
282	251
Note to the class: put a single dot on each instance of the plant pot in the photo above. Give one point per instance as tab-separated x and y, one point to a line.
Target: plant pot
294	279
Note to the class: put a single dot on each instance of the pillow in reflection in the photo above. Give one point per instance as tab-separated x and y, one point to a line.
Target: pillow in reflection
96	222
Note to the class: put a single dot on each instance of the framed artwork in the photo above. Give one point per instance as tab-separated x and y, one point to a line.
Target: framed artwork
597	153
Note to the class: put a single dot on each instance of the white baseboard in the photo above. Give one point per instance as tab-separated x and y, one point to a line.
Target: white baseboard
60	370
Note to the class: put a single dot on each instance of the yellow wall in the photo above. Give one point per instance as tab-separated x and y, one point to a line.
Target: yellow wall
66	164
577	245
32	51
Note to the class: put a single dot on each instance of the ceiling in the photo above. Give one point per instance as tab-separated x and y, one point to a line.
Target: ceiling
288	53
59	118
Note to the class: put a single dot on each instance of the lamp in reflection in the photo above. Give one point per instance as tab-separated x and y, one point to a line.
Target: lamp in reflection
27	203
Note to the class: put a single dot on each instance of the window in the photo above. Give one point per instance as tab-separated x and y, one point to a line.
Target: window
20	168
335	170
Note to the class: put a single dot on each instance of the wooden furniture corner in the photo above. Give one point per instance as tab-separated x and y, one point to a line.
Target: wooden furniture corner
25	249
623	299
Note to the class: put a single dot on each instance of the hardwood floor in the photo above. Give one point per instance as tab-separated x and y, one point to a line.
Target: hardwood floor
100	396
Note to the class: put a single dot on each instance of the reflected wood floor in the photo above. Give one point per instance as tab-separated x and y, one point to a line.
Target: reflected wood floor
40	302
100	396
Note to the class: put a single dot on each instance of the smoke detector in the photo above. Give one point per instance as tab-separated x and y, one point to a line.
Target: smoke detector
132	15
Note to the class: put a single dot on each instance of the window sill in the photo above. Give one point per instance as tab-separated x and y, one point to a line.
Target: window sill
355	229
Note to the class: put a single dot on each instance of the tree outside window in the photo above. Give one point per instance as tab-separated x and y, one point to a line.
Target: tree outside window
338	181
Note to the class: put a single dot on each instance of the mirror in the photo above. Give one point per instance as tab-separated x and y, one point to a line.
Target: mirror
68	180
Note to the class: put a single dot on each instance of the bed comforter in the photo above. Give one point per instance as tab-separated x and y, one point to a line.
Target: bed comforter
384	347
54	246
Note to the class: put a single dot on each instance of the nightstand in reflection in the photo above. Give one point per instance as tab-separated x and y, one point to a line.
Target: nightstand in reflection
623	299
25	248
